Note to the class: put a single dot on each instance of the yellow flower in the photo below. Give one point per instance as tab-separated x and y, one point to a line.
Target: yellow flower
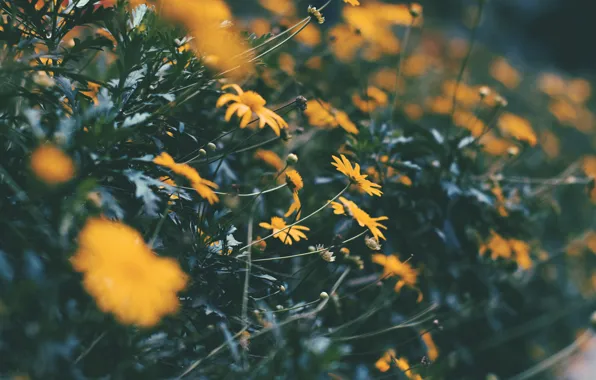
294	180
286	235
431	347
322	115
384	363
522	253
220	43
404	366
247	103
279	7
353	173
124	275
352	2
498	247
347	207
501	70
295	183
393	267
270	158
52	165
201	185
374	99
517	127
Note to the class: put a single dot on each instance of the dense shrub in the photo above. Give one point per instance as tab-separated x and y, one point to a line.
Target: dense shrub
400	211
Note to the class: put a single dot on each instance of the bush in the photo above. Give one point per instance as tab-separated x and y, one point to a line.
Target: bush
390	216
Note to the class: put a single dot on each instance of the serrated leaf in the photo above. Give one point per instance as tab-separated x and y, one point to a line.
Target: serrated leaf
143	191
135	119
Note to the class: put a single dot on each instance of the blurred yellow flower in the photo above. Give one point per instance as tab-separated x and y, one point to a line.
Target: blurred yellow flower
344	166
124	275
270	158
295	183
202	186
51	165
373	99
321	114
347	207
502	71
431	348
518	127
392	266
497	245
245	104
345	42
279	7
384	363
214	37
286	235
352	2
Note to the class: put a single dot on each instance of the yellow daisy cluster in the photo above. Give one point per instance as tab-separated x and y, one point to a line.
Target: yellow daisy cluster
124	276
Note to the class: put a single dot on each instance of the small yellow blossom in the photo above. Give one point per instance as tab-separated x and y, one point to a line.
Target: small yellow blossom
245	104
52	165
322	115
124	275
295	183
431	348
344	166
270	158
373	99
392	266
384	363
517	127
203	187
286	235
352	2
347	207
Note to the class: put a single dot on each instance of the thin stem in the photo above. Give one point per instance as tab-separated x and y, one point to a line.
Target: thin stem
301	220
88	350
554	359
248	267
462	69
399	66
159	224
312	252
269	50
241	195
271	39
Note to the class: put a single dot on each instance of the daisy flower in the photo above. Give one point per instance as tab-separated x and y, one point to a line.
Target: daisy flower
124	276
288	234
245	104
295	183
344	166
347	207
203	187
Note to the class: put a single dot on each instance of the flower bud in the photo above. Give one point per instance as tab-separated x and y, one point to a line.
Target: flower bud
202	152
483	91
323	295
282	288
291	159
211	147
